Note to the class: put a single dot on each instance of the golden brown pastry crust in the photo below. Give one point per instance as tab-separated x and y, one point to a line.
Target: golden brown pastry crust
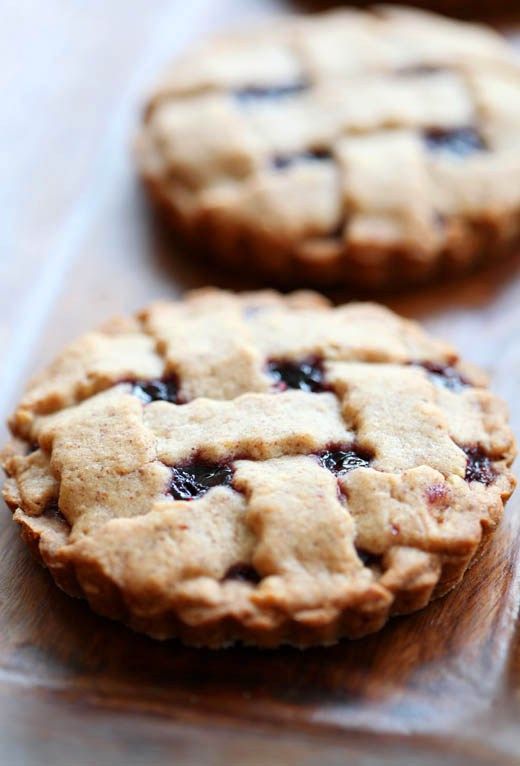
329	150
355	467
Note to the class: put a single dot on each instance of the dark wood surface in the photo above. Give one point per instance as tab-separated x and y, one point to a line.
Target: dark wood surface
78	244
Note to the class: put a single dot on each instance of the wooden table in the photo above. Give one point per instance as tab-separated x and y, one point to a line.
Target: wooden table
79	244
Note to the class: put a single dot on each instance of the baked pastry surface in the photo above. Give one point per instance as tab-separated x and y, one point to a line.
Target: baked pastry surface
258	467
364	148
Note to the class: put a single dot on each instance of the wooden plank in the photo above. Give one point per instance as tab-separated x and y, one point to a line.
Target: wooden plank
79	244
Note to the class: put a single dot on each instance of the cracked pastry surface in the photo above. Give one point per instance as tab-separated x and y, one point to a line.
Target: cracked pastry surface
352	147
258	467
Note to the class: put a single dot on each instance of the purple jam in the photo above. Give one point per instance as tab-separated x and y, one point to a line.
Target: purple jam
479	466
193	480
242	573
459	142
159	390
343	460
305	375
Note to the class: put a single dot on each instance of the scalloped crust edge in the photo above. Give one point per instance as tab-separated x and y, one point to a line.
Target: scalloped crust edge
440	574
322	263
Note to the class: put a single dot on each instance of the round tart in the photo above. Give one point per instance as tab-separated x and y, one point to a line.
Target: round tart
371	149
258	467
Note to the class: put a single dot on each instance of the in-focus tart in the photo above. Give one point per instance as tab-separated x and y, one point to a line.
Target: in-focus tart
258	467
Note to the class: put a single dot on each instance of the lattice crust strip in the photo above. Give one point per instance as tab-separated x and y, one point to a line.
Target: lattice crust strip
331	147
258	467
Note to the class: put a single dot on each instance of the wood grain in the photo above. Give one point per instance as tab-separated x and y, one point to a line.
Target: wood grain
79	244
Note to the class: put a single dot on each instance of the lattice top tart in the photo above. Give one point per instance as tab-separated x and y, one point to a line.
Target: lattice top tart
369	148
258	467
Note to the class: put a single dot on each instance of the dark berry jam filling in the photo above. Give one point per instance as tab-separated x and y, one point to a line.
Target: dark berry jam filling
368	559
195	479
460	142
479	466
253	93
282	161
445	375
306	375
165	390
341	460
243	573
